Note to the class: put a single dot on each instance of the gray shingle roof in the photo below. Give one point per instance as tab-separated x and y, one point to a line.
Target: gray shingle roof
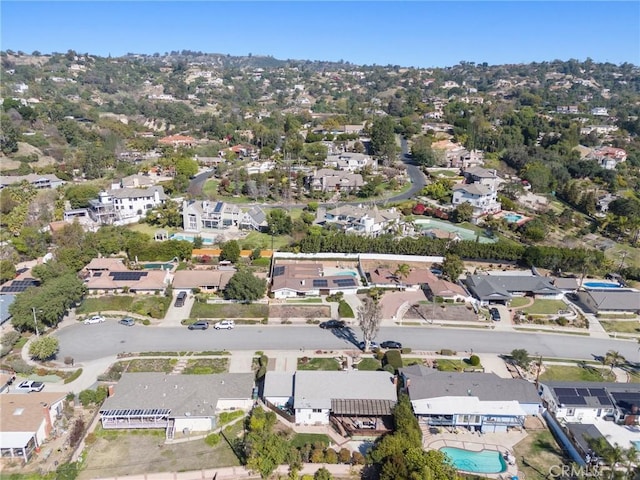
278	384
316	389
500	287
429	383
190	395
614	299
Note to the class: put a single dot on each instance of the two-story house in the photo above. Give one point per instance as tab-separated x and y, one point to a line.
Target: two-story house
327	180
125	205
348	161
482	198
488	178
363	220
33	179
202	215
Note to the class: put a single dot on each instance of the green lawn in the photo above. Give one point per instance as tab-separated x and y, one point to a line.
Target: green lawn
567	373
229	310
631	326
369	364
150	365
319	363
263	241
345	310
304	300
104	304
446	365
443	173
210	188
518	302
412	361
299	440
545	307
206	366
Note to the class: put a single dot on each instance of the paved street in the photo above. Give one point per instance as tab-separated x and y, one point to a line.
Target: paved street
89	342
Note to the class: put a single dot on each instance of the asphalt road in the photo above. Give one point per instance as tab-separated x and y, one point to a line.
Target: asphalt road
196	183
91	342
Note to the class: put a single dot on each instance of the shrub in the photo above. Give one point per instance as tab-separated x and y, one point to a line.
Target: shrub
405	350
76	432
344	456
212	439
389	368
357	458
392	358
562	321
146	321
20	366
474	360
379	355
447	352
317	454
330	456
87	397
9	339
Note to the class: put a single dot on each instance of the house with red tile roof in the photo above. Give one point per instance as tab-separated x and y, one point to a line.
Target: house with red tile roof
178	141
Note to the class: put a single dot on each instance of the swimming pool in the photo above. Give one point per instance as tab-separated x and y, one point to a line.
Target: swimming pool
512	217
190	238
348	273
485	461
601	285
157	266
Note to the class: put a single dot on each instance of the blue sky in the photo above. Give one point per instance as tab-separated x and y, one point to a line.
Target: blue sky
406	33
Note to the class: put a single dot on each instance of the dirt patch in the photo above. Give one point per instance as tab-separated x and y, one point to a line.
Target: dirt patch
536	453
299	311
442	311
118	453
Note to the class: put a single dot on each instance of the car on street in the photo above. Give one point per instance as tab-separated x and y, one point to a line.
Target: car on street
391	344
199	325
127	321
495	314
333	324
94	319
373	346
224	324
30	386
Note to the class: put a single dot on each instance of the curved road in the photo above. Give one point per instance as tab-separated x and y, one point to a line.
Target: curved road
90	342
416	177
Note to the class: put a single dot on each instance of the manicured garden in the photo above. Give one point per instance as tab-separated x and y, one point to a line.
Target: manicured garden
318	363
545	307
586	373
154	306
206	366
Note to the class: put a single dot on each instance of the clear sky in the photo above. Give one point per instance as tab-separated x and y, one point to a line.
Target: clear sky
406	33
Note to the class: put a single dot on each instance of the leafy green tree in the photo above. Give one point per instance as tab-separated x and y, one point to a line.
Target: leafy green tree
422	152
44	348
279	222
264	449
463	212
452	267
186	167
383	141
521	357
322	474
230	251
246	287
7	271
79	195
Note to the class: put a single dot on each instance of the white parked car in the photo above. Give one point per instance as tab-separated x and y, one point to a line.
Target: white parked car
30	386
226	324
94	319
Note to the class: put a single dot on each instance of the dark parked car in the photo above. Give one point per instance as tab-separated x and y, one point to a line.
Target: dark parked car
201	325
495	314
127	321
391	344
332	324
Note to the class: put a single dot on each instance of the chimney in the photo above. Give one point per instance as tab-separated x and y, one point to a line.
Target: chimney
48	428
111	391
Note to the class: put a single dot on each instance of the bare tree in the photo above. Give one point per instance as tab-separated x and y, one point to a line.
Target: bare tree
369	318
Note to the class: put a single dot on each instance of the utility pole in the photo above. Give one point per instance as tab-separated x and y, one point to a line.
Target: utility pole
35	321
538	372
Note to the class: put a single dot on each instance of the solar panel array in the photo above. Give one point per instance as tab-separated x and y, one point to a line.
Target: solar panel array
321	283
626	400
577	396
218	207
127	276
347	282
277	271
19	286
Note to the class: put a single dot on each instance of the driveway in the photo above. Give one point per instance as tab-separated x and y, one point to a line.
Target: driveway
175	315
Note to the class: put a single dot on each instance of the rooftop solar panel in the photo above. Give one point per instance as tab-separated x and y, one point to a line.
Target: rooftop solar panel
127	276
572	400
604	400
277	271
347	282
565	391
597	392
218	207
582	391
320	283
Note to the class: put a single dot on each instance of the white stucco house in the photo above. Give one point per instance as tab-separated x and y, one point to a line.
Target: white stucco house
482	198
125	205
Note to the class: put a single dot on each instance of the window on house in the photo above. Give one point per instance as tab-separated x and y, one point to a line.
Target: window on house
570	412
317	410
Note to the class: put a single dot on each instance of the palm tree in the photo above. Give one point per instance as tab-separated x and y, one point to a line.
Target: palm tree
613	358
613	456
402	272
631	456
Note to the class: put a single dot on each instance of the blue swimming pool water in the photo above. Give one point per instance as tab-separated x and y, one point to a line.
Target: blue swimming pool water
485	461
157	266
189	238
601	285
348	273
512	217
